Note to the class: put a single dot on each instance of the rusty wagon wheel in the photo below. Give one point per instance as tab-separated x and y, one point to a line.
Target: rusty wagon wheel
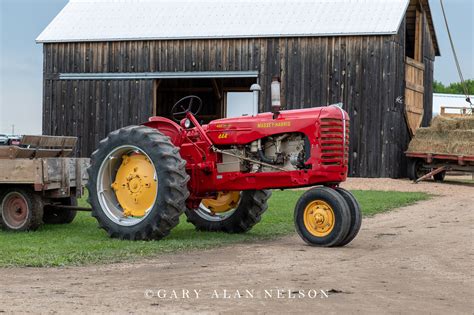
21	209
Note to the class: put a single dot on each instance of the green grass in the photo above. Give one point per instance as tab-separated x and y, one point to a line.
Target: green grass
81	242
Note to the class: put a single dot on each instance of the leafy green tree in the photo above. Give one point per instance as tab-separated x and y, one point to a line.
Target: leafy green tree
438	87
453	88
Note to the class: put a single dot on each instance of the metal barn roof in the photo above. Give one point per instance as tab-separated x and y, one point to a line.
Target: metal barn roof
112	20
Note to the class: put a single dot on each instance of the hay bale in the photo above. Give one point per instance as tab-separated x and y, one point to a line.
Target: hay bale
446	135
442	123
466	123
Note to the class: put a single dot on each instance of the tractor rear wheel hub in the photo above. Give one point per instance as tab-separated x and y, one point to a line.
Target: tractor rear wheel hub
135	186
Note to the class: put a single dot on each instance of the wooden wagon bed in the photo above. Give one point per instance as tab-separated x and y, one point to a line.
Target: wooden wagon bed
42	161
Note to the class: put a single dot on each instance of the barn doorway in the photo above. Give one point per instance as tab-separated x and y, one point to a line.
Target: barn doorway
222	97
414	32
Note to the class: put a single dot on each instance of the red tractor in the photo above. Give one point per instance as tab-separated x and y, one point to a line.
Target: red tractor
142	178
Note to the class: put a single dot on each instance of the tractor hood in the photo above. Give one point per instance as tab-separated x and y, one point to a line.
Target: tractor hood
245	129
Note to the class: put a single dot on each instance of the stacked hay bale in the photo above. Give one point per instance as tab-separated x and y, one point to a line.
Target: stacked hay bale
446	135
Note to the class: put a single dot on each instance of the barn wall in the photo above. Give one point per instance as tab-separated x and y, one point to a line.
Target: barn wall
366	73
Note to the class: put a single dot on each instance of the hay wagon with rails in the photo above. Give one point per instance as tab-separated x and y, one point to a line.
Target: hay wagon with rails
447	145
39	182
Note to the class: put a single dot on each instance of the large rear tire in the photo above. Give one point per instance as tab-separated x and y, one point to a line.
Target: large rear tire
356	216
322	217
53	216
21	209
166	183
247	213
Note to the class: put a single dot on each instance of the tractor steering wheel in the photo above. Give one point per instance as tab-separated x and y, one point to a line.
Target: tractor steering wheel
180	108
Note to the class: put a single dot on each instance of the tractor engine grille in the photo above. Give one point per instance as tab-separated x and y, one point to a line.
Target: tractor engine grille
334	148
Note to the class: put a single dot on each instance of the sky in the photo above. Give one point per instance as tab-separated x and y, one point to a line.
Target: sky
21	21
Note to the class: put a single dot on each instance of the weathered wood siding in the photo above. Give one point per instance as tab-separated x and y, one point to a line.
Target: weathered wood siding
366	73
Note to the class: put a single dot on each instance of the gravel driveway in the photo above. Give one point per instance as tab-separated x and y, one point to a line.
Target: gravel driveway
414	259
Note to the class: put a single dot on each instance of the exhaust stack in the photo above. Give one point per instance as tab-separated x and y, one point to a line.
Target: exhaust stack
255	88
276	102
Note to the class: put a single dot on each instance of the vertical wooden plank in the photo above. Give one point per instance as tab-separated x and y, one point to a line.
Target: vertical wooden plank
152	56
159	58
194	54
213	55
265	77
418	36
92	116
238	55
324	75
205	55
132	54
188	56
95	59
297	66
358	112
169	55
290	86
316	72
46	89
86	119
110	58
283	71
110	110
126	117
73	110
78	116
181	56
244	58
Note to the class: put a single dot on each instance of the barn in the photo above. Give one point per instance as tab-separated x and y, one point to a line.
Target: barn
108	64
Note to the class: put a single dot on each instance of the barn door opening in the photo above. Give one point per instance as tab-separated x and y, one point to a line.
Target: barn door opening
414	69
217	95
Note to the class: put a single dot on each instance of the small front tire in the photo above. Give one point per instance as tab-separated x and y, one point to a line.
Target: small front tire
356	215
322	217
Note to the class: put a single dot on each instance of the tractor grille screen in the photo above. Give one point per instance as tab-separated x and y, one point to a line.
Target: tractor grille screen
334	150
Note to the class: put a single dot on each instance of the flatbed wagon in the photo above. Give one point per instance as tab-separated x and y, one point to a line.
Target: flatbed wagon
425	165
39	182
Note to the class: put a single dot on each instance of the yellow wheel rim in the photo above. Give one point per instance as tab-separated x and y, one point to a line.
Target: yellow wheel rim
224	202
319	218
135	185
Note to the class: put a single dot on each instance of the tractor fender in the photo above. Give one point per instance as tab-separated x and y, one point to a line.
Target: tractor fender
167	127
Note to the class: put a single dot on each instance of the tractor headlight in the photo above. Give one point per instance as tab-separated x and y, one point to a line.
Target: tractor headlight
187	123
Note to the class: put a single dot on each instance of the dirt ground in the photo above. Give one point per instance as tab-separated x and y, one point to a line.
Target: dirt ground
413	259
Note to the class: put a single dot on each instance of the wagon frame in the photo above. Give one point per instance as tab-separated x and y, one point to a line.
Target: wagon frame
39	182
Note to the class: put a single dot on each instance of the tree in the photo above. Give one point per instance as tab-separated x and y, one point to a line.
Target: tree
453	88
